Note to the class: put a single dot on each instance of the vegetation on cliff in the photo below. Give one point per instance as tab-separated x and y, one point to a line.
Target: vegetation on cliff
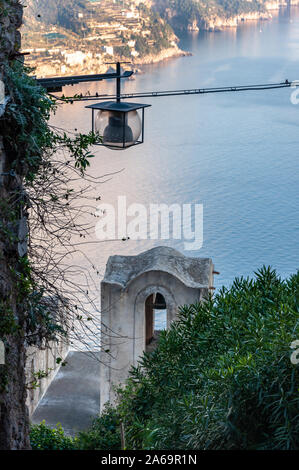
182	14
60	12
160	36
78	36
78	21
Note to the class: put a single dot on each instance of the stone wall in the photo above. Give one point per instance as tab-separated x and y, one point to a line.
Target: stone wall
14	423
44	361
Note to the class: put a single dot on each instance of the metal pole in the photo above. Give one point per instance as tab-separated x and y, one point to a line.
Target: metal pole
124	129
122	436
118	82
142	134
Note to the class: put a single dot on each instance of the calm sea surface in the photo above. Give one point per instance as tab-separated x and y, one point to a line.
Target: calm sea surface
237	154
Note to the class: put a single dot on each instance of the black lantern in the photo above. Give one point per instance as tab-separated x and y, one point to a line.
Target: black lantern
119	124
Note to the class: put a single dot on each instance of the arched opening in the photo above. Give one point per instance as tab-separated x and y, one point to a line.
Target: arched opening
155	319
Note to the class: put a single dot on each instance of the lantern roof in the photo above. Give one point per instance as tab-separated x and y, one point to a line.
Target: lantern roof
117	106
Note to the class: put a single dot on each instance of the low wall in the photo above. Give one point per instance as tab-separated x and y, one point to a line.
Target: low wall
43	362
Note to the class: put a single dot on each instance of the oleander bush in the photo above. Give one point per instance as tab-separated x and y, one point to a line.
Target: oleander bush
221	377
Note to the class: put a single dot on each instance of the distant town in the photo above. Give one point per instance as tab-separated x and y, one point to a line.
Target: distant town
90	37
64	37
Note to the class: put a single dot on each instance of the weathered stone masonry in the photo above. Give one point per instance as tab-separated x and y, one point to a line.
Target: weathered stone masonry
129	282
13	411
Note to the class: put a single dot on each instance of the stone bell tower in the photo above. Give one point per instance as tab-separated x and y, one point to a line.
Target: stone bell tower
131	289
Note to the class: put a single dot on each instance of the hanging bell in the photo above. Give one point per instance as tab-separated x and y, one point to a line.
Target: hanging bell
159	303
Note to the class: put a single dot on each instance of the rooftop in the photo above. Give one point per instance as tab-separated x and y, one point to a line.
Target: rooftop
193	272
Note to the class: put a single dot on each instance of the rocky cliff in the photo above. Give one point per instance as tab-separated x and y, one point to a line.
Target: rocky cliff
214	15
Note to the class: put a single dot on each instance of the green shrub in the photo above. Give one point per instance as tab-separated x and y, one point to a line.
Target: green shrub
221	377
104	433
43	437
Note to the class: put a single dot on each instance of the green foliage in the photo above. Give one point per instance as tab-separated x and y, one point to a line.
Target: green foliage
104	433
25	126
236	7
28	136
186	11
161	33
58	12
22	276
30	144
221	377
141	45
37	377
43	437
78	147
122	51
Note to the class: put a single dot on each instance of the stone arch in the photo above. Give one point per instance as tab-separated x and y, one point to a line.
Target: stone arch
139	314
128	282
144	293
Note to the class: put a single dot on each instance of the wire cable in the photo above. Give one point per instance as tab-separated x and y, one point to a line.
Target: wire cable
193	91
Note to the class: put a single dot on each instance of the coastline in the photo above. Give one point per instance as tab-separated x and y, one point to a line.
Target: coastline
165	54
218	23
93	66
213	24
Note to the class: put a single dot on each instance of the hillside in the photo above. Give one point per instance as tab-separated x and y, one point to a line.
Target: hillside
185	15
81	36
67	36
64	13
